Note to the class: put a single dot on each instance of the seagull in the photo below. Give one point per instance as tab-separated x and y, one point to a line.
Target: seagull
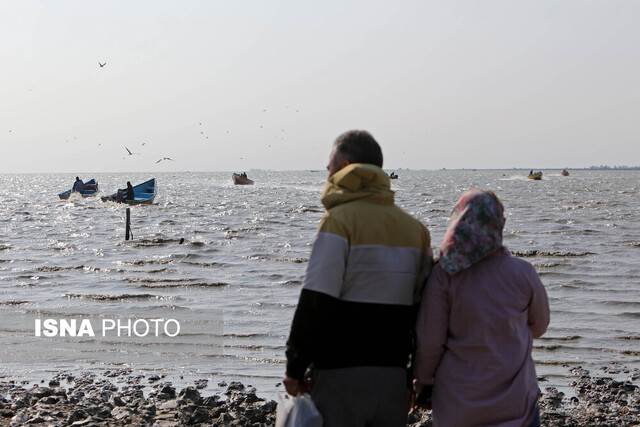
129	151
165	158
101	65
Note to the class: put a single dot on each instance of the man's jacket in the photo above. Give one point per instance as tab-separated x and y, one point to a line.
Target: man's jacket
365	274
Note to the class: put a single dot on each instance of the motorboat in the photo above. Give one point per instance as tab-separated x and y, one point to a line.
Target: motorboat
535	175
143	194
241	179
90	189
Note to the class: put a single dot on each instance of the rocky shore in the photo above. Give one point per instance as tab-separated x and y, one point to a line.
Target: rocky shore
92	400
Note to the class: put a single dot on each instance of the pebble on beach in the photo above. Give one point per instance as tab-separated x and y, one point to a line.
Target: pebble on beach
94	400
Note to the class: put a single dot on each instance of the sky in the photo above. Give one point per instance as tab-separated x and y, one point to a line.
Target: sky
237	85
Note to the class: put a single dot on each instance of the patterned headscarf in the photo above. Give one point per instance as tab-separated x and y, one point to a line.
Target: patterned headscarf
475	231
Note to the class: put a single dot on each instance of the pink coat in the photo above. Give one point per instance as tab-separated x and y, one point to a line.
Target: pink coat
475	334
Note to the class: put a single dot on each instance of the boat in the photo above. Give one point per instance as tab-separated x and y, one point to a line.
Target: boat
241	179
535	175
564	172
143	194
393	175
90	189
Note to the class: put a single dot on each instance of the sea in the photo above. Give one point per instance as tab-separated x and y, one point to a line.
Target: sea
207	286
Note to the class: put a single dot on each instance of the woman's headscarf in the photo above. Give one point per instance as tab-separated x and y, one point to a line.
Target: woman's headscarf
474	232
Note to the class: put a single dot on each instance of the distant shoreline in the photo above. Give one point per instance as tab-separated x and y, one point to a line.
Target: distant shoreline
590	168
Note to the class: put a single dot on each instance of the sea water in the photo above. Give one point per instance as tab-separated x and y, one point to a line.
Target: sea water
233	282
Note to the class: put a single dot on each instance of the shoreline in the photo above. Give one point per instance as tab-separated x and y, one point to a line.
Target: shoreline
92	399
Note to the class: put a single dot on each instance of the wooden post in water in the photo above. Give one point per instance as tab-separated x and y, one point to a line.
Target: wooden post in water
128	225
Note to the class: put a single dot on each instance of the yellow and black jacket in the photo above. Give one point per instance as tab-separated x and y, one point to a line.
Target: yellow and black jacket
364	278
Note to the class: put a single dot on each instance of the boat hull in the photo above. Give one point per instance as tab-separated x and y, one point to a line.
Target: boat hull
535	176
144	194
240	180
90	189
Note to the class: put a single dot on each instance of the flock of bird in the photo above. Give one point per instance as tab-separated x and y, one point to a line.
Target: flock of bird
131	153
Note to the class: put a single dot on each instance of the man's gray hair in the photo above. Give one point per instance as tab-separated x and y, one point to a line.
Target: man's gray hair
359	147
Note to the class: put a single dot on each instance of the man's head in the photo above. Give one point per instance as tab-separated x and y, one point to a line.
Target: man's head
354	146
77	178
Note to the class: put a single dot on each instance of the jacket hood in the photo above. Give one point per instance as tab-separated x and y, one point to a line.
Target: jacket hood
357	181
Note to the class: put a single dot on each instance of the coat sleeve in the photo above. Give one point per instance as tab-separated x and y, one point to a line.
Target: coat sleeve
431	327
539	313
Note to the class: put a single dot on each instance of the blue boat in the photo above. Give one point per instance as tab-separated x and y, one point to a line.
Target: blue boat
144	194
90	189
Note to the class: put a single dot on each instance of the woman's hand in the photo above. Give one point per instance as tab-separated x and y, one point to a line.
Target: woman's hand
423	398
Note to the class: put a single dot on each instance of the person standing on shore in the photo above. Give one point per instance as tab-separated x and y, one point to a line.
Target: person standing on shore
355	318
480	311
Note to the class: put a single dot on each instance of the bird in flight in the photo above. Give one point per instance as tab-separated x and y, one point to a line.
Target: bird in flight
101	65
129	151
165	158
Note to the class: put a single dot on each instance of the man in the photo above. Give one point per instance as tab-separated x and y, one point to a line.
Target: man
356	314
130	192
78	185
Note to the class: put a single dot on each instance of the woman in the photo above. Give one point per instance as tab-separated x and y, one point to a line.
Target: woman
478	317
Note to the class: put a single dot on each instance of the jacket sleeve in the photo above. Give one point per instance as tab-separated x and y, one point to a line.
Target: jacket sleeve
322	287
304	329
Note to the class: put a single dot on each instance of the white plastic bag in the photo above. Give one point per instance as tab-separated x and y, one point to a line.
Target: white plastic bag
297	412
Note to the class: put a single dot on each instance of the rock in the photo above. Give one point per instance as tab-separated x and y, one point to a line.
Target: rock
224	419
116	401
234	386
119	413
36	420
171	404
171	391
190	394
49	400
200	415
81	423
40	392
211	401
76	415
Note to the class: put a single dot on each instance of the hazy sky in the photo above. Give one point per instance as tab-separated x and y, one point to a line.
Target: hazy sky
234	85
